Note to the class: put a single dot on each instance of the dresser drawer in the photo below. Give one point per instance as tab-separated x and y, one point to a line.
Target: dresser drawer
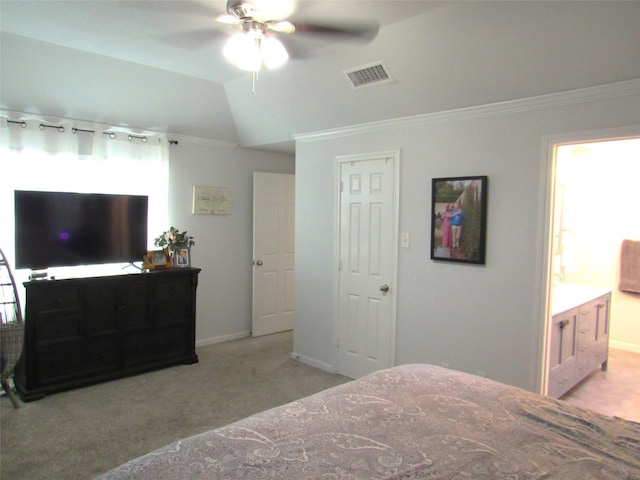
56	328
173	289
177	312
67	361
58	300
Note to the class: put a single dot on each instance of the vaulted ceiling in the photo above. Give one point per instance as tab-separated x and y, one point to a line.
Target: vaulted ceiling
158	65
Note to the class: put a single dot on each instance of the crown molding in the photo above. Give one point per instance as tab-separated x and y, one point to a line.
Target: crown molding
540	102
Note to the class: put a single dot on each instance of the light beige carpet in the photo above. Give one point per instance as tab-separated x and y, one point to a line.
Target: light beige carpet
80	433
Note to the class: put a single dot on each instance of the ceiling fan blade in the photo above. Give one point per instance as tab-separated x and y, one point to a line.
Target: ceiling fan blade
193	39
261	10
227	19
281	27
184	7
361	32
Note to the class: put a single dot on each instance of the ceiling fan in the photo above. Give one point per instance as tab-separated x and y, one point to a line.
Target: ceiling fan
262	21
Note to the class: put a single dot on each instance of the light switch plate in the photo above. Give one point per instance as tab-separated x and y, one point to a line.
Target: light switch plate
405	240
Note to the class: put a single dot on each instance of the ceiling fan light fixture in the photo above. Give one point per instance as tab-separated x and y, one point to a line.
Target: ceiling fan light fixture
250	49
274	54
243	50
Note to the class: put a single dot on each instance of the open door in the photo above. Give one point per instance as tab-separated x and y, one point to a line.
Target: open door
273	252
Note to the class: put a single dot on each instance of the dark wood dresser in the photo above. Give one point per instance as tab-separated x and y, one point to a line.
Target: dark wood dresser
80	331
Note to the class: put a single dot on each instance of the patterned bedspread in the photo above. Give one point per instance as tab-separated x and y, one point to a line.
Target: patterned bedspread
408	422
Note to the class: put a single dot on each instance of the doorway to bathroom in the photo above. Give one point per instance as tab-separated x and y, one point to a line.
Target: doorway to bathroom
595	202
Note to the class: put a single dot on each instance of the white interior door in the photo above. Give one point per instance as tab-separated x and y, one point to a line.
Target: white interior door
273	252
368	257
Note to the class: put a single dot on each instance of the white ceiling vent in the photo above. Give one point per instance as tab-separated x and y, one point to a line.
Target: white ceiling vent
368	75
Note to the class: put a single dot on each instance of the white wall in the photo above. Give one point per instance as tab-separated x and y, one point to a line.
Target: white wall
475	318
223	242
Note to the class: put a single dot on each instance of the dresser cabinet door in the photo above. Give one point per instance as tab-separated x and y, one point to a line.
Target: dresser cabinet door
173	300
156	346
102	308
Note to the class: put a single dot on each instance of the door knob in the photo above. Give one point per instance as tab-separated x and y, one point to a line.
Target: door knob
384	288
259	262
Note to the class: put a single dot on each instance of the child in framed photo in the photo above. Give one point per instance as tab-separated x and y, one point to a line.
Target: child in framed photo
459	219
182	258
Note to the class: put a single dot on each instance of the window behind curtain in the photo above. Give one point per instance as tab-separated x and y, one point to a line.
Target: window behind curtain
32	158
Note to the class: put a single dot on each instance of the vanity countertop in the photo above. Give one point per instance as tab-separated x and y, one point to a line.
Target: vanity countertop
566	296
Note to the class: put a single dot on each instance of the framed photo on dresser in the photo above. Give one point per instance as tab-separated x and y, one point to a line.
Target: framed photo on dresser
182	258
156	260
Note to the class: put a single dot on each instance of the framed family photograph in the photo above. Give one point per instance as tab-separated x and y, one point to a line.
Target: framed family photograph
459	219
182	258
156	260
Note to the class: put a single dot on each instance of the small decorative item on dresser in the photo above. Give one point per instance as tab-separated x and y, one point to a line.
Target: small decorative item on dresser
178	244
181	255
157	259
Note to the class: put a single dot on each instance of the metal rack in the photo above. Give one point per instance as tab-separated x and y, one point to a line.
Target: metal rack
11	328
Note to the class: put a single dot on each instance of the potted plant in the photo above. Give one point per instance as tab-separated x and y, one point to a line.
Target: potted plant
173	240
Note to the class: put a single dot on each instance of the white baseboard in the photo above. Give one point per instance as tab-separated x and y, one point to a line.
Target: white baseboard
313	362
223	338
629	347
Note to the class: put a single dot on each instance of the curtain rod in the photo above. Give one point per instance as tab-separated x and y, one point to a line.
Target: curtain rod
112	134
22	123
75	130
60	128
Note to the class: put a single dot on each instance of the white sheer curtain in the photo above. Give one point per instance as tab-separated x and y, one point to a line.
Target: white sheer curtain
33	157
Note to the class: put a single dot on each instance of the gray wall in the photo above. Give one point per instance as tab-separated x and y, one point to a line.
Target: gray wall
223	242
49	81
475	318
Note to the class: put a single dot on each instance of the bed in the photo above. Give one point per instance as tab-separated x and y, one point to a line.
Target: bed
407	422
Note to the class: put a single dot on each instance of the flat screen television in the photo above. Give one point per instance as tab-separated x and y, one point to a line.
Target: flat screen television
56	229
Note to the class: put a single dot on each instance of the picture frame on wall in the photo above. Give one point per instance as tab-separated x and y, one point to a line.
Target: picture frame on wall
210	200
459	219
